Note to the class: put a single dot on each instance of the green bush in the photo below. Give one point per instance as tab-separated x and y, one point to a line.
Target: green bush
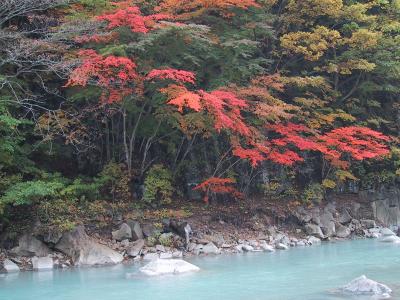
158	187
313	193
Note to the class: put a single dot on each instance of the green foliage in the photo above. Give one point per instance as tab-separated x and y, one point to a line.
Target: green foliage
313	193
158	187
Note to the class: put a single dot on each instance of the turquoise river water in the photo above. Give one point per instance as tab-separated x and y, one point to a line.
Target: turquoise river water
310	273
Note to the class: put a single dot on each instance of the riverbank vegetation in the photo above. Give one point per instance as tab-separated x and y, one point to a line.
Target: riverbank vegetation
107	107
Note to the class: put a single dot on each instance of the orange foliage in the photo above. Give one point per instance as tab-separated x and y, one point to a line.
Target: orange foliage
172	74
185	9
132	17
218	186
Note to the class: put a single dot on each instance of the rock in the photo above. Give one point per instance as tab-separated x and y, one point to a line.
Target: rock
281	246
168	266
136	248
148	230
166	239
191	247
9	267
137	233
314	230
28	245
160	248
391	239
267	248
364	286
303	216
183	229
344	216
367	223
151	256
177	254
282	238
166	255
342	231
85	251
386	232
210	248
328	224
247	248
226	246
51	237
125	243
217	239
42	263
301	243
312	240
124	232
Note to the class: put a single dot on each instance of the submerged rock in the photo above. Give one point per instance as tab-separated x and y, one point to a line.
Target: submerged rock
168	266
364	286
9	267
85	251
391	239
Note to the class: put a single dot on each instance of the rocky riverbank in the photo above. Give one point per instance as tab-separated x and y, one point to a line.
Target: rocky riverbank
133	240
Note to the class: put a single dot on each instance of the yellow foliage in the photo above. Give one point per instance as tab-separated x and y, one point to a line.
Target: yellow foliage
306	11
358	12
328	184
363	39
312	45
347	67
343	175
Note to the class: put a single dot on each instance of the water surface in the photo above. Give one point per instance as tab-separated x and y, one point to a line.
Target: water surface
309	273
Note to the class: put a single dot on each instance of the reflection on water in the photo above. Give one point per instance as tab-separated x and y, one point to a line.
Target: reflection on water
310	273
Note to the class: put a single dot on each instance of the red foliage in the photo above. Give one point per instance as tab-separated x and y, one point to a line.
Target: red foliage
218	186
172	74
132	17
360	142
112	73
188	99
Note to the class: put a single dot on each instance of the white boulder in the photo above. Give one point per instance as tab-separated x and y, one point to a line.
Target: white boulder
42	263
365	286
9	267
387	232
281	246
168	266
267	248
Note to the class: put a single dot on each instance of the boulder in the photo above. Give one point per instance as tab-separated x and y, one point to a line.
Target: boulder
151	256
51	237
210	248
28	245
391	239
267	248
247	248
303	216
83	250
124	232
342	231
149	230
344	216
328	223
367	223
136	229
168	266
42	263
9	267
364	286
282	238
166	255
312	240
160	248
314	230
217	239
136	248
281	246
177	254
